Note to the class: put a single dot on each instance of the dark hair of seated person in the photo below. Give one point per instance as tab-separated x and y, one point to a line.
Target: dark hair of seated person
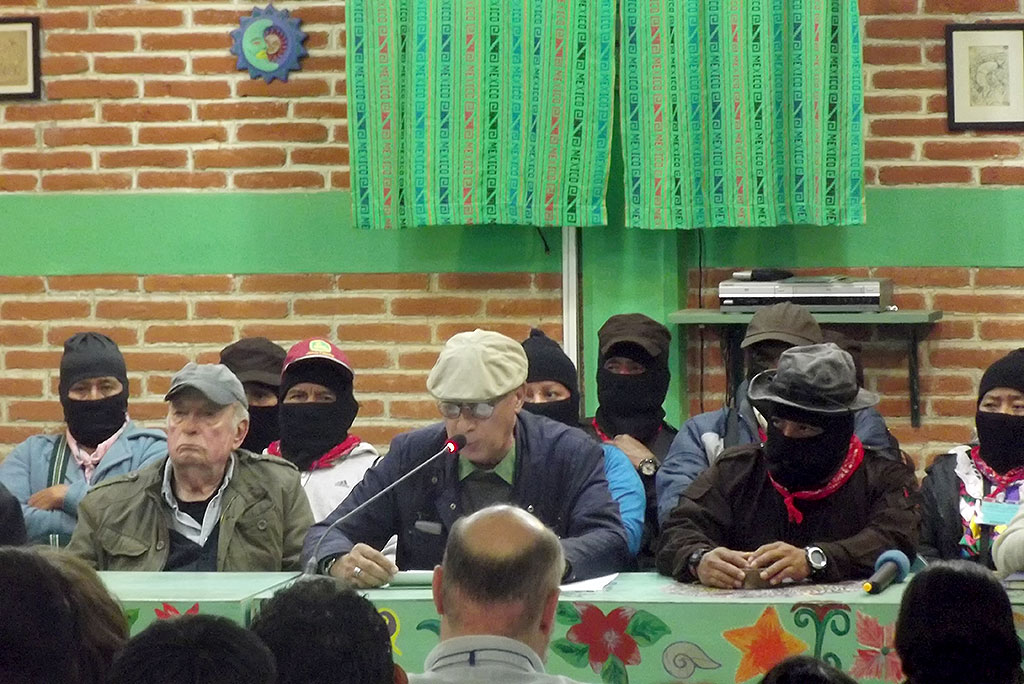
38	627
955	625
194	649
805	670
321	631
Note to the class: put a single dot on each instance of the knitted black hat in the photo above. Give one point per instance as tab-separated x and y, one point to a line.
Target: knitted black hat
548	361
1006	372
90	355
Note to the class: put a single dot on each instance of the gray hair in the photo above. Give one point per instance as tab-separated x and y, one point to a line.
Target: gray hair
241	412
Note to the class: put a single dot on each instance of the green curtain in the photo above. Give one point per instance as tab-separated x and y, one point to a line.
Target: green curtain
480	111
742	113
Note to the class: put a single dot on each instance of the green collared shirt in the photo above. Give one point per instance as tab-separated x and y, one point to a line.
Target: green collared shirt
482	487
506	468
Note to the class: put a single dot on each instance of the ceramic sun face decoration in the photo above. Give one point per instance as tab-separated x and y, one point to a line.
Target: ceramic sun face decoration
269	44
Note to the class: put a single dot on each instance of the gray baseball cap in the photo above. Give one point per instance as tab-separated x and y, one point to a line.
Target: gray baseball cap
214	380
820	378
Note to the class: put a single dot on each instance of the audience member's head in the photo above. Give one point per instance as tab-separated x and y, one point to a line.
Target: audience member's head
100	621
805	670
632	375
323	632
38	621
257	362
478	382
195	649
93	388
956	625
809	402
208	418
317	403
552	388
500	576
773	330
1000	415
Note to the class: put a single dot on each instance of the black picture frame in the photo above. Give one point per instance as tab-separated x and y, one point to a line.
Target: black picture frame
22	79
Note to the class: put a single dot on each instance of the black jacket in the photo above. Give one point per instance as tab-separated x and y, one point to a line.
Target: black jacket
12	522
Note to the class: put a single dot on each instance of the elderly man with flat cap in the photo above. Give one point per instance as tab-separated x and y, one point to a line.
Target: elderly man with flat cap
208	506
810	503
511	457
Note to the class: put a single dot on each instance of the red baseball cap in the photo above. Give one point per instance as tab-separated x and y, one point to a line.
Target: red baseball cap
316	348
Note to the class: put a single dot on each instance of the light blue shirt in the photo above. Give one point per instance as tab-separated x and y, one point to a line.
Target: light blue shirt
484	659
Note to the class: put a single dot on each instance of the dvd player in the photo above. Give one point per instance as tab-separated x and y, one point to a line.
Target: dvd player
817	293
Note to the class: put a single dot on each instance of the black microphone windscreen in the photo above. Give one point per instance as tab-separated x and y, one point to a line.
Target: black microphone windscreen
457	441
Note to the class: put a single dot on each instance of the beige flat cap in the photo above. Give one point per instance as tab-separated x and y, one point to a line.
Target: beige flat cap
477	366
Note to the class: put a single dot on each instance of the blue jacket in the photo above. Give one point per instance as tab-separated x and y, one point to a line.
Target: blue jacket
628	491
701	440
559	478
27	470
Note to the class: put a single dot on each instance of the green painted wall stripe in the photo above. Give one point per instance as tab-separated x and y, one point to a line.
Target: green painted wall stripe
57	234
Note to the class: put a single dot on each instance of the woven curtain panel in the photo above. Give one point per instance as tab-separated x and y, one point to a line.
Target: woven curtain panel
480	111
742	113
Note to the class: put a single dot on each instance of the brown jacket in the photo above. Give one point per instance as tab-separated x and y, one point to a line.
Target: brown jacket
733	504
123	523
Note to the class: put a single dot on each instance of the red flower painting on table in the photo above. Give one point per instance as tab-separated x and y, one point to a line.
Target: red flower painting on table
879	659
605	635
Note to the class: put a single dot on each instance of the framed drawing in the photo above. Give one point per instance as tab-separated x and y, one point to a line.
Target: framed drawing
19	58
985	76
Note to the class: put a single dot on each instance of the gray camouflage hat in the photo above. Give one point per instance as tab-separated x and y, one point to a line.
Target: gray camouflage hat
820	378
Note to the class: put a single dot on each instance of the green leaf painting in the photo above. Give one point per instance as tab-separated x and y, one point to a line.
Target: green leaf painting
132	616
647	628
574	654
431	625
614	671
567	614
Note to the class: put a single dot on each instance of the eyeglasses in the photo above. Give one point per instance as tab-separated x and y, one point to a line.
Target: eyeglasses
481	410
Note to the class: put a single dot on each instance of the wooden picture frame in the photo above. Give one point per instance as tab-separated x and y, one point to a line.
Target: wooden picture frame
985	76
19	58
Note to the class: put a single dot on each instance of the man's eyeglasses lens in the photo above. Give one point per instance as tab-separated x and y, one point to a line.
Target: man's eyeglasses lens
452	410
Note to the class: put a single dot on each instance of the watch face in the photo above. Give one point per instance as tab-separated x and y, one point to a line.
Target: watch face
816	558
648	467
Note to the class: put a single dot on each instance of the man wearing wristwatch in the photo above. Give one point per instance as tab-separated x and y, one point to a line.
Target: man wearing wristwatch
810	502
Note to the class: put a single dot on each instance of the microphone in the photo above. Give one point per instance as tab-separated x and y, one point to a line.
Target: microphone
891	566
453	446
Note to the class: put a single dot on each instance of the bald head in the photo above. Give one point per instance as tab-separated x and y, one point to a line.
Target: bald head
504	556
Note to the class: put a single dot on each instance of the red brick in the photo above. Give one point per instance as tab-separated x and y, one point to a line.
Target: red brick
21	387
1001	329
425	409
483	281
549	281
17	182
242	110
435	306
34	410
340	306
870	175
379	435
140	65
187	283
123	336
892	54
214	17
930	384
87	135
964	407
383	332
916	127
190	334
50	21
922	175
321	110
293	88
324	14
20	335
86	181
183	42
383	281
910	79
47	160
94	282
143	158
321	155
213	65
153	180
289	132
371	408
239	157
142	310
241	308
999	277
62	65
979	303
49	309
149	410
158	384
925	277
418	360
1002	175
48	112
524	307
193	90
90	42
948	433
970	6
279	179
400	383
517	331
966	357
905	29
146	112
369	358
971	150
286	332
49	360
892	104
21	284
155	361
82	89
324	63
888	149
950	330
868	7
293	282
161	18
341	180
172	135
17	137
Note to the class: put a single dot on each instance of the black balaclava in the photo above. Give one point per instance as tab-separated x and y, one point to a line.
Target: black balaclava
800	464
310	430
92	355
1001	436
547	361
263	424
631	404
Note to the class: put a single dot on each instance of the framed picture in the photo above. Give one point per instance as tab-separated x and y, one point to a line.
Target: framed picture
19	58
985	76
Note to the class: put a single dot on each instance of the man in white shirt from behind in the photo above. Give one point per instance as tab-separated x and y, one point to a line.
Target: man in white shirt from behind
496	591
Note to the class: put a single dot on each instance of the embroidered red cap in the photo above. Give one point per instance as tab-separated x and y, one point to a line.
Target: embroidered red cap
316	348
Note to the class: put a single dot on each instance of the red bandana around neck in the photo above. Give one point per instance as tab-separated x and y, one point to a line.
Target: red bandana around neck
1003	481
601	433
854	457
327	460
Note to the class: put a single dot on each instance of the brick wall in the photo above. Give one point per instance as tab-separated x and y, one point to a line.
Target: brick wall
908	142
983	320
390	325
146	96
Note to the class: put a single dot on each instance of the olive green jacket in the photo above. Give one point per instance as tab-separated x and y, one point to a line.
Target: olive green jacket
124	522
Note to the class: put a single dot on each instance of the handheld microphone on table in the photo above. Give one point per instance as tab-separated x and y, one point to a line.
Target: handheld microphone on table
891	566
453	446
